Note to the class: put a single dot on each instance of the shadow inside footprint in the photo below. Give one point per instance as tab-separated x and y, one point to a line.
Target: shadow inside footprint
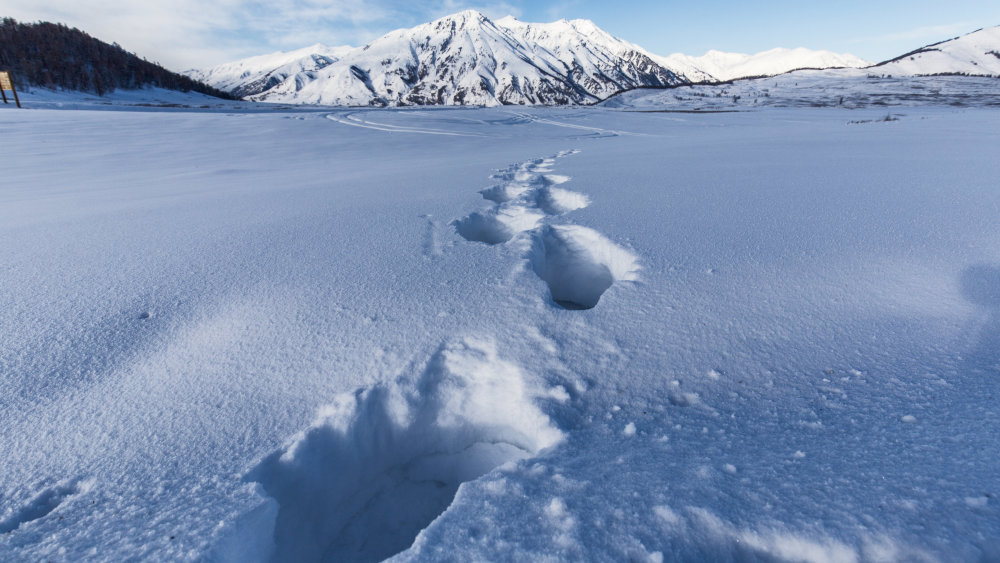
579	264
43	503
481	227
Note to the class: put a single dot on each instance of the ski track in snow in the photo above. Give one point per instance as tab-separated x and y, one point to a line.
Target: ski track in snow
354	121
578	263
599	131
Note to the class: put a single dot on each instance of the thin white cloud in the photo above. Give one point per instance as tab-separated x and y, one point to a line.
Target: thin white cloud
928	33
185	34
560	9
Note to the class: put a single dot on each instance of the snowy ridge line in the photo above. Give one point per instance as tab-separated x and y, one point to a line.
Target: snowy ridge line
381	463
352	120
577	263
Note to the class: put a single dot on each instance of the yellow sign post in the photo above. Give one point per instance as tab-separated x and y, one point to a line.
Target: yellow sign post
7	83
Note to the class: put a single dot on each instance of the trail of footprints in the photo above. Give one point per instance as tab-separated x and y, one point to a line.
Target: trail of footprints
381	463
578	264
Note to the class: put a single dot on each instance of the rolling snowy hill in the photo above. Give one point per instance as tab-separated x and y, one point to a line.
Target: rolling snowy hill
254	75
730	66
977	53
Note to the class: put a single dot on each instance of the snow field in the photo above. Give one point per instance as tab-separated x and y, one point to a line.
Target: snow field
807	284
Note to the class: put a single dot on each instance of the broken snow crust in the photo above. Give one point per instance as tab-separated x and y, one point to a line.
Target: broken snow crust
252	335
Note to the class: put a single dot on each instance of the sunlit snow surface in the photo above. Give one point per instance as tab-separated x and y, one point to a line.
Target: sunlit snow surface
232	334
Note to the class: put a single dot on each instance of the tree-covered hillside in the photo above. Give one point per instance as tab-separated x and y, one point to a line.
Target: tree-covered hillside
56	56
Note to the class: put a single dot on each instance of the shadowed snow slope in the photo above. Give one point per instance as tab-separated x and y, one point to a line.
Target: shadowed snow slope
381	463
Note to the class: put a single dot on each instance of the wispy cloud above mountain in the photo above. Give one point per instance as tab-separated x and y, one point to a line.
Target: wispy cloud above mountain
188	33
183	34
923	33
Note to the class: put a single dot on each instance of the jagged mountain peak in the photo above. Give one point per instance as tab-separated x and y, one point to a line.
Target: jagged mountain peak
467	58
461	20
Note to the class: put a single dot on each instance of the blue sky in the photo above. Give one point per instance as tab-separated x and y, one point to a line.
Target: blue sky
185	34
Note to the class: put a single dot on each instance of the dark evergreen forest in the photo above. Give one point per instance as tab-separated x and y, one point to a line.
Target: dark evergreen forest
53	55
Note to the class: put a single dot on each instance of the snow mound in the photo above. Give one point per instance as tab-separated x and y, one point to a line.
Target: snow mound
383	462
497	226
579	264
557	201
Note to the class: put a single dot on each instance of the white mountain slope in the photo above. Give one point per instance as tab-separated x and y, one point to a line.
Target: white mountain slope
467	58
730	66
254	75
977	53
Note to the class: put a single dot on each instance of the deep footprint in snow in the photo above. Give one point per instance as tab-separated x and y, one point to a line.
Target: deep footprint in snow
579	264
483	227
385	461
42	504
497	226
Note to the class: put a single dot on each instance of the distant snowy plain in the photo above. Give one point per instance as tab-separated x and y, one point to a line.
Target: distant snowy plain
236	334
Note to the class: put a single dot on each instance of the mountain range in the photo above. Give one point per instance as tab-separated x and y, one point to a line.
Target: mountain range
461	59
467	58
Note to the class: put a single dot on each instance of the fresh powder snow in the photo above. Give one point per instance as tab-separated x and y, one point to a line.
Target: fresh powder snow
239	332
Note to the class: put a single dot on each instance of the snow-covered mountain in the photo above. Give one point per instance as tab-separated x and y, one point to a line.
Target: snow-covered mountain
254	75
977	53
465	58
730	66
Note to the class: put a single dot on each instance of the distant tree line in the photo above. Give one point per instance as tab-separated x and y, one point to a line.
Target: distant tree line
53	55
